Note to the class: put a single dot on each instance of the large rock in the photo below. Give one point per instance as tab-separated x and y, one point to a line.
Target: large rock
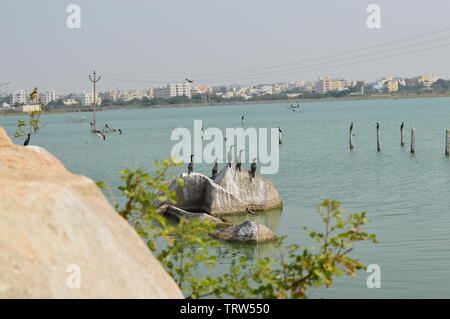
231	192
51	219
247	232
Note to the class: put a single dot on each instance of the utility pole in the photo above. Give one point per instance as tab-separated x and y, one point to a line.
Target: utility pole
94	80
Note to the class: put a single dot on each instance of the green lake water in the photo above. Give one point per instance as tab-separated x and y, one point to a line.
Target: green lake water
406	196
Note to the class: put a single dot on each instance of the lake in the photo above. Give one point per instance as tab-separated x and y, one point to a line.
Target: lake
405	195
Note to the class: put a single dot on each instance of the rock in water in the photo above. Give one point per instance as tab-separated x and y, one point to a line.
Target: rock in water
232	192
54	223
247	232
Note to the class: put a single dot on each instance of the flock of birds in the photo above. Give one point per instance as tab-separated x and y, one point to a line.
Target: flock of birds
215	168
102	133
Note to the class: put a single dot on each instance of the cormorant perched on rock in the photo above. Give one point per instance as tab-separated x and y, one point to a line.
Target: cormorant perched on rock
191	165
215	169
230	156
239	160
253	167
27	140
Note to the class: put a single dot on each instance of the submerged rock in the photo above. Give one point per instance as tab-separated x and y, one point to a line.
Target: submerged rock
53	222
231	192
247	232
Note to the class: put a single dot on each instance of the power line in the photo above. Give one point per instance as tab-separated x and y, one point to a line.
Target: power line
295	62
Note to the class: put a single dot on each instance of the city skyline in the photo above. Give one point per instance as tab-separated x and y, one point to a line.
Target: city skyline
148	45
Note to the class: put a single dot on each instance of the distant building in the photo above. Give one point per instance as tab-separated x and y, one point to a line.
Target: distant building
324	85
173	90
48	96
88	99
179	89
392	86
202	89
70	102
28	108
19	97
427	80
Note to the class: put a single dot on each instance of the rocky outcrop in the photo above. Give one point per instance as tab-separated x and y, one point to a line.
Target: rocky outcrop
179	213
231	192
247	232
53	221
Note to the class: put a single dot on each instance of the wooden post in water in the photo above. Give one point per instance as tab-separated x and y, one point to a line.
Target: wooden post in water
402	135
350	139
413	140
378	138
447	143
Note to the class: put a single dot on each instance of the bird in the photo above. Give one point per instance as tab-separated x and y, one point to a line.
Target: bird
230	156
106	125
215	169
190	81
243	119
101	134
120	131
239	160
27	140
280	136
253	167
191	165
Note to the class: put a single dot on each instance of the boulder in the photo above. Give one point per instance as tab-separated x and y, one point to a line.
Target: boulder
56	226
231	192
179	213
247	232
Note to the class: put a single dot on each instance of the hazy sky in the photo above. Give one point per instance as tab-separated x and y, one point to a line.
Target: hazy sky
133	43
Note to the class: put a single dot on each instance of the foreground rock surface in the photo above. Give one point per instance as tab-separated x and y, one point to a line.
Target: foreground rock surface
231	192
51	219
247	232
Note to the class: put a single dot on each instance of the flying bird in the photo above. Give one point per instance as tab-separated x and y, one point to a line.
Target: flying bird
27	141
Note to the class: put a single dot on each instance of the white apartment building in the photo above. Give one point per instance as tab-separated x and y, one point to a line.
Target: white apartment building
179	89
48	96
19	97
88	99
172	90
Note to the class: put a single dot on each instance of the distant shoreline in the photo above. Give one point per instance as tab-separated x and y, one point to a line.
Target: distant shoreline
289	101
